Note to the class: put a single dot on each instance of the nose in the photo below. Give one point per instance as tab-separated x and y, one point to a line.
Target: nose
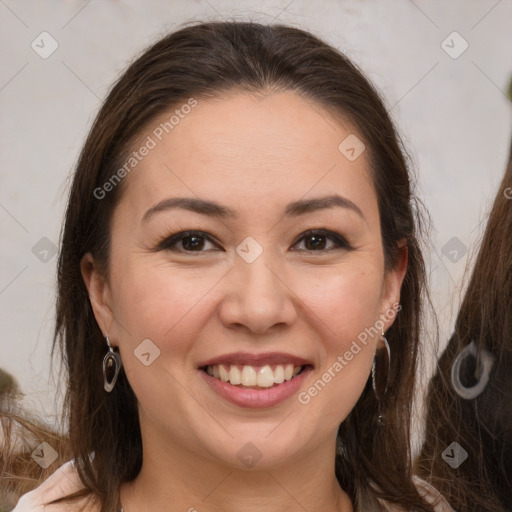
257	297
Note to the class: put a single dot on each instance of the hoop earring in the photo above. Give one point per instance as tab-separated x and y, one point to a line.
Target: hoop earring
483	370
381	369
111	367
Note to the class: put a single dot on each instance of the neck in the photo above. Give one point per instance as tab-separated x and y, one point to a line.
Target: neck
192	482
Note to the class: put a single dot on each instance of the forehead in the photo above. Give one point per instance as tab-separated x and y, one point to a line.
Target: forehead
248	150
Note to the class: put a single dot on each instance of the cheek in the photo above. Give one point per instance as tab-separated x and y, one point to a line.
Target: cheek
345	299
171	307
164	305
156	301
347	306
169	304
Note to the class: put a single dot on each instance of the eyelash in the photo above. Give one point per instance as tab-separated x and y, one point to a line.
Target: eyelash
169	242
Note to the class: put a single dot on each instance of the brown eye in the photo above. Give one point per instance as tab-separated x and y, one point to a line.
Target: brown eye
314	242
192	242
185	241
317	241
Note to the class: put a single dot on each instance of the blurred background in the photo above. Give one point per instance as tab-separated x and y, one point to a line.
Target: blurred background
442	67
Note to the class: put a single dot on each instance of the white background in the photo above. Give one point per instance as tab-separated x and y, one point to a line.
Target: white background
452	114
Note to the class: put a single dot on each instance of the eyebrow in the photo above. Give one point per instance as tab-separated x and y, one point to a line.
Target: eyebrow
212	209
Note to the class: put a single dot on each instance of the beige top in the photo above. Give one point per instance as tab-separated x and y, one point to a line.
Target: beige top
66	481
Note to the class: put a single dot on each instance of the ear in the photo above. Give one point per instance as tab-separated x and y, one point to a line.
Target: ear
99	293
393	279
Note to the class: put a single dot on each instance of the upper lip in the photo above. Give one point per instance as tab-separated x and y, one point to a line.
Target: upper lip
250	359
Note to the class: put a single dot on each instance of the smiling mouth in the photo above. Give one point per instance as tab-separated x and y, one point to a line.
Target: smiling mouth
256	377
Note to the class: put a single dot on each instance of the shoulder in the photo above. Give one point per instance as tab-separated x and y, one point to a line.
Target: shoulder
427	491
63	482
432	495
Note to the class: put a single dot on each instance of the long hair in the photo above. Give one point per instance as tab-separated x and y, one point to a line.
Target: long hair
21	437
204	61
482	426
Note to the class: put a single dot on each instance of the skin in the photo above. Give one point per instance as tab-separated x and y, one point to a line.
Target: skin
254	154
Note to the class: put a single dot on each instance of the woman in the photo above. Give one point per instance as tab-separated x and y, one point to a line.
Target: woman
470	397
239	237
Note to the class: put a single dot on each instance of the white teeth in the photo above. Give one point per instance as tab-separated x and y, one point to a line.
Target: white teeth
235	377
279	375
265	378
250	376
223	374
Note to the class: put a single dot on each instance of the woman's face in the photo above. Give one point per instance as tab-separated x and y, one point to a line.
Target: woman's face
250	289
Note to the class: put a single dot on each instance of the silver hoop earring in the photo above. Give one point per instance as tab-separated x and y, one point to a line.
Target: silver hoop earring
483	370
380	369
111	367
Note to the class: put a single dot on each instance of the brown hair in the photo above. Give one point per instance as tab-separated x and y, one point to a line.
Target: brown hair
482	426
203	61
20	437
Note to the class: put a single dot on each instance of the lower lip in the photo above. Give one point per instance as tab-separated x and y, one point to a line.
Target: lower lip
256	398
